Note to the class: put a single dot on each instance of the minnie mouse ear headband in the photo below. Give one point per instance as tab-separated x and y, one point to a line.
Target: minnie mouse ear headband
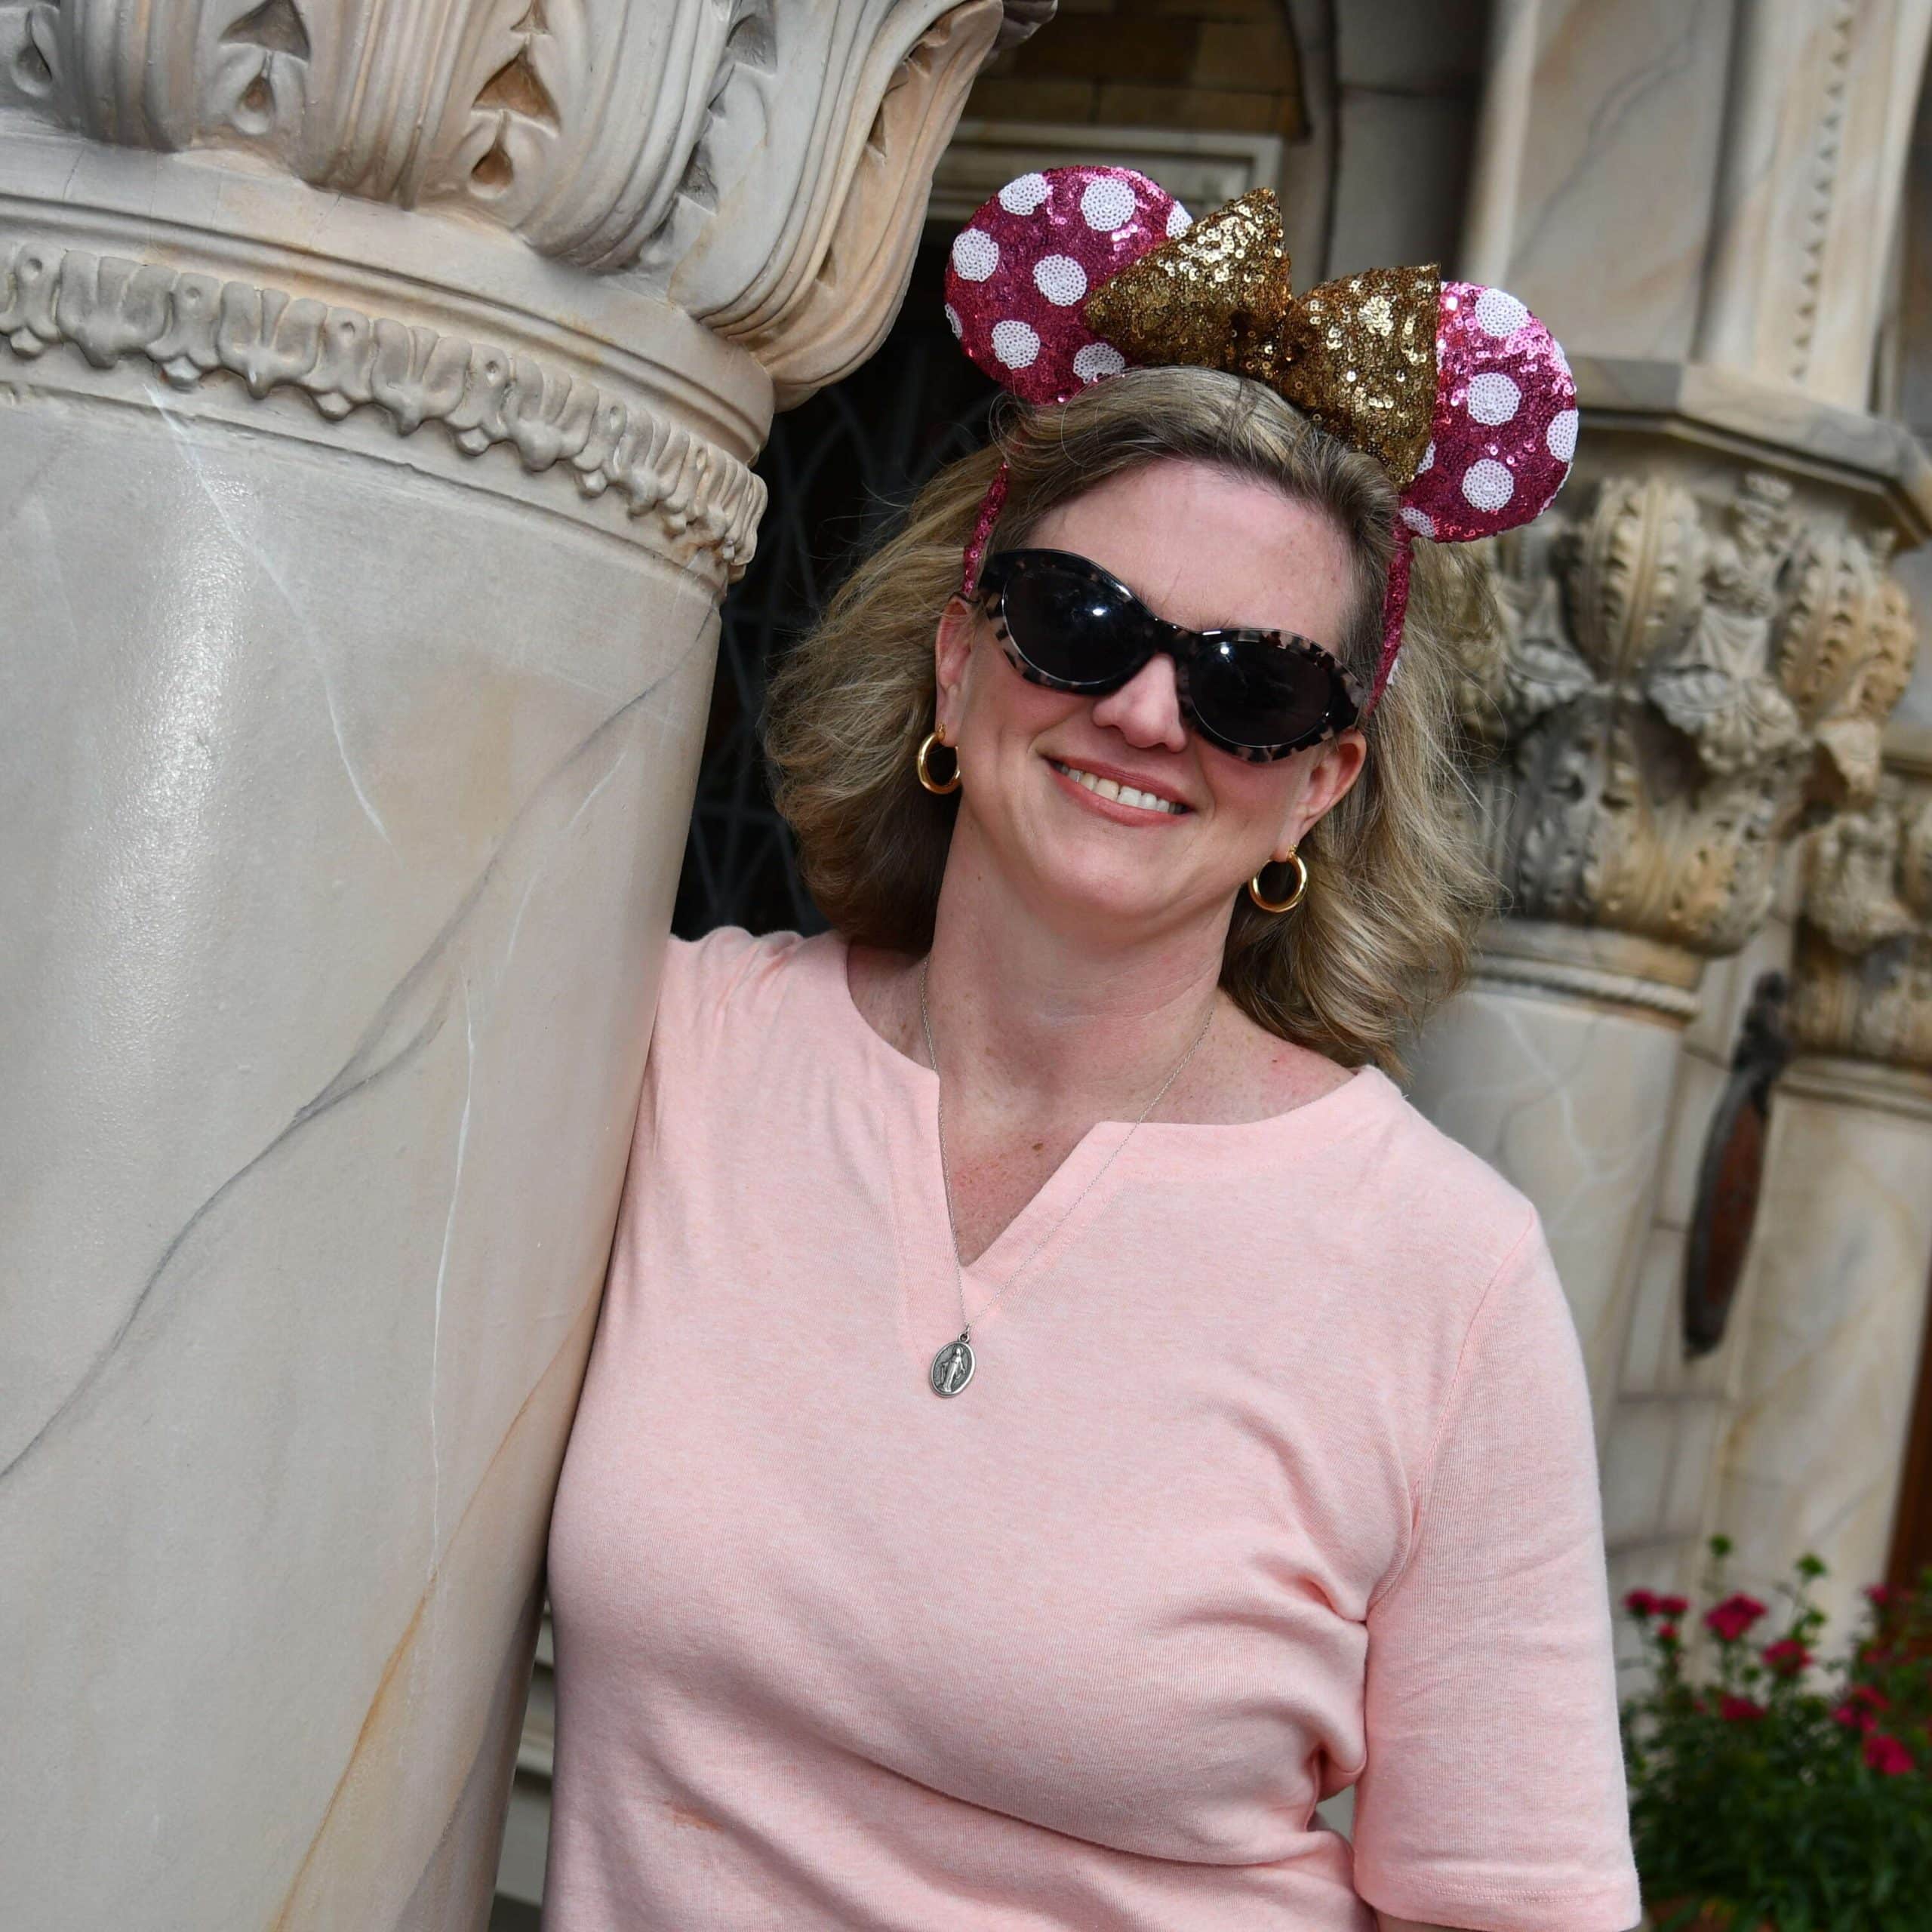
1066	278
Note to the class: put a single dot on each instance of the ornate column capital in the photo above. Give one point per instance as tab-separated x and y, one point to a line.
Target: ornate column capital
762	166
1862	986
1699	647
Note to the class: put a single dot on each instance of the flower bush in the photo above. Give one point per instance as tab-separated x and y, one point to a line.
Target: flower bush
1768	1789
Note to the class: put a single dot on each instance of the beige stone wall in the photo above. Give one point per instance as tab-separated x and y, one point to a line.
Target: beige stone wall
1221	66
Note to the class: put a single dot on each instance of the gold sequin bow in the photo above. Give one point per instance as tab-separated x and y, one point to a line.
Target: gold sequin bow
1358	355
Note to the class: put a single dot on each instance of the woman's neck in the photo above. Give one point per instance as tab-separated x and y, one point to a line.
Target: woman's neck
1056	1020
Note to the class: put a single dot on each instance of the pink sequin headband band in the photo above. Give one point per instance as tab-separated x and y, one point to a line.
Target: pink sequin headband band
1066	278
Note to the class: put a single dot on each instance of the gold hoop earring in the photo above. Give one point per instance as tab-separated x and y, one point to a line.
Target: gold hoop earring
1293	899
935	736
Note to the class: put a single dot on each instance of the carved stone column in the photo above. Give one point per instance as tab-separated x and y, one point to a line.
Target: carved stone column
377	385
1834	1298
1697	649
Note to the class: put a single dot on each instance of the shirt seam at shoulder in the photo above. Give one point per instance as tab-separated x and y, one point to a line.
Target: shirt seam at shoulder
1420	1501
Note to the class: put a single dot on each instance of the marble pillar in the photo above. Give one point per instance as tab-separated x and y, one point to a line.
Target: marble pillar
1701	642
1696	650
1834	1300
377	388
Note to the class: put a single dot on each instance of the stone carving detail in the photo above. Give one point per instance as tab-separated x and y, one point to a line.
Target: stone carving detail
606	133
1675	680
189	325
1863	965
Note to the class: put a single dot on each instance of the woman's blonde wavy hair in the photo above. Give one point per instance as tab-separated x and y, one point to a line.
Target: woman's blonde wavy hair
1398	886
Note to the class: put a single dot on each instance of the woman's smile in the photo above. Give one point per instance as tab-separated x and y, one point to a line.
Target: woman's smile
1113	795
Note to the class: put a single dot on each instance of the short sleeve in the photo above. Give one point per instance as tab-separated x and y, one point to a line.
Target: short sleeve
1493	1795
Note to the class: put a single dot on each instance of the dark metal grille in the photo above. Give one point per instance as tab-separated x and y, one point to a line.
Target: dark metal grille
839	468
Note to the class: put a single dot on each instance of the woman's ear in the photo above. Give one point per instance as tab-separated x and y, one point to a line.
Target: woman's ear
952	655
1332	772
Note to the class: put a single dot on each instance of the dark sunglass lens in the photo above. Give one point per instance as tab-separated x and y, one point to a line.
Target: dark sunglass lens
1069	626
1253	692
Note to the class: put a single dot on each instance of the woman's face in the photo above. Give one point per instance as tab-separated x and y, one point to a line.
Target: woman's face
1202	548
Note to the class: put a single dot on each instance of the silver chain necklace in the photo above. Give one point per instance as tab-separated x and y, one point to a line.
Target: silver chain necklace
952	1367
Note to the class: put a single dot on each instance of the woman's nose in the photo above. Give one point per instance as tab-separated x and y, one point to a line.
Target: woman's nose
1146	711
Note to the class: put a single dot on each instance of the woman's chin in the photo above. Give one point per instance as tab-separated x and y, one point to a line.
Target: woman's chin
1105	896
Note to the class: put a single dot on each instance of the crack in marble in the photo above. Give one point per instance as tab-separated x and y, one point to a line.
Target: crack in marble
257	554
374	1057
442	1276
1606	125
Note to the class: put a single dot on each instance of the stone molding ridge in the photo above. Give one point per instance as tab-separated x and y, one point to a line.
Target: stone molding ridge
1678	677
1591	982
1862	968
190	325
1868	1084
761	165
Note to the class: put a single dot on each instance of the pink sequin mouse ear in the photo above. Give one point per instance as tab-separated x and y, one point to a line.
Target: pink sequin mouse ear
1021	269
1500	443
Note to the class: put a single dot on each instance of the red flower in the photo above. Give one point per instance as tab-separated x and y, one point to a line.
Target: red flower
1787	1657
1641	1603
1872	1698
1884	1753
1738	1710
1666	1633
1673	1606
1852	1718
1880	1594
1733	1616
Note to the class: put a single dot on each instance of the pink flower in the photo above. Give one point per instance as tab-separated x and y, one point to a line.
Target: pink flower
1884	1753
1641	1603
1787	1657
1733	1616
1738	1710
1673	1606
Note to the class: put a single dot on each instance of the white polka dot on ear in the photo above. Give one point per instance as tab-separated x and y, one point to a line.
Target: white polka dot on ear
953	320
1097	359
1560	439
975	255
1499	314
1487	485
1493	397
1015	344
1023	196
1420	521
1060	279
1105	205
1179	221
1428	459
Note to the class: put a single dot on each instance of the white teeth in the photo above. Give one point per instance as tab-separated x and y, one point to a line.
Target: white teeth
1108	787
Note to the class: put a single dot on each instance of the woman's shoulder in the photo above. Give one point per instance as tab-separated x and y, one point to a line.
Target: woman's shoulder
729	968
1425	1190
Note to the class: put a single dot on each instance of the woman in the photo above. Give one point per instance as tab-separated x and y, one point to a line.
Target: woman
1262	1463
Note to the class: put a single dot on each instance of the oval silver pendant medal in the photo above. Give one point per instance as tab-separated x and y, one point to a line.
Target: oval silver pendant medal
953	1367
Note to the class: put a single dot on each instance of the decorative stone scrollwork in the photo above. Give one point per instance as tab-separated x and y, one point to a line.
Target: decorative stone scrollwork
190	325
1675	680
1863	966
606	133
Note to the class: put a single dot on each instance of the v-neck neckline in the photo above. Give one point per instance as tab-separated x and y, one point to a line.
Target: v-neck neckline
1064	1201
1042	1218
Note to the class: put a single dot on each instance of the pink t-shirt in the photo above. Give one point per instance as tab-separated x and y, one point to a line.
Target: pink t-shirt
1276	1476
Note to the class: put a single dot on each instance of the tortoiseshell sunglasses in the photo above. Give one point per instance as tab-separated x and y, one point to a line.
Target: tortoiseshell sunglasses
1065	622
